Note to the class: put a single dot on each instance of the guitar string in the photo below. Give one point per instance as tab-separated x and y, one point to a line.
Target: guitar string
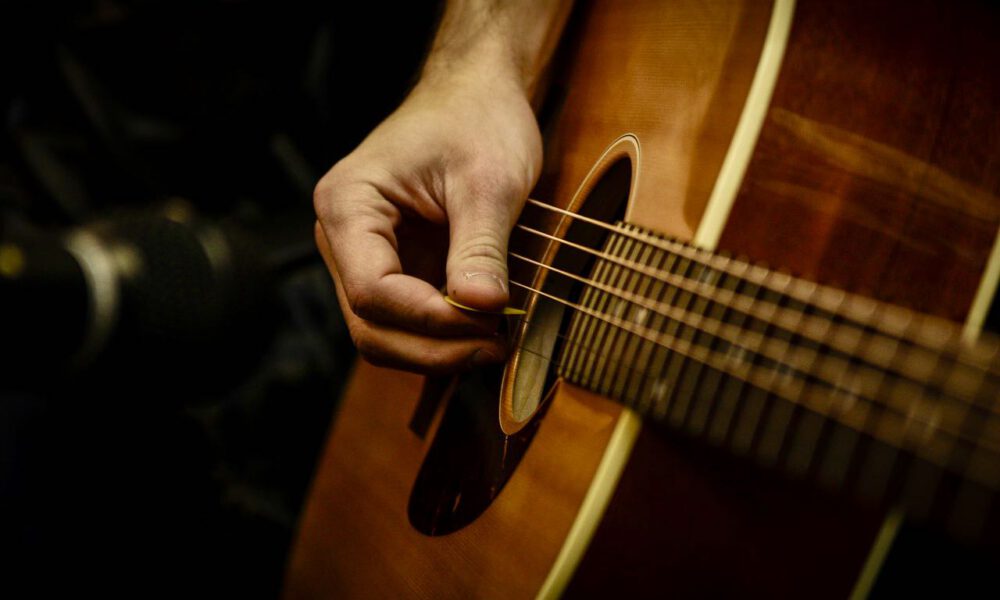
807	397
807	326
905	408
781	352
766	383
834	300
774	348
665	400
822	341
811	294
959	413
941	460
810	327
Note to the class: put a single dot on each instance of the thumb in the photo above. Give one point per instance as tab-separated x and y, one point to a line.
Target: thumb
477	253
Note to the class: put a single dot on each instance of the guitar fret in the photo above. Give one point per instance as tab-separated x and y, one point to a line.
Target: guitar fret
643	348
584	356
802	354
701	403
571	350
875	470
725	351
921	481
978	465
602	328
612	305
981	463
881	459
585	352
804	443
772	436
714	380
675	366
779	417
831	461
639	253
661	386
578	323
846	398
754	399
958	454
810	428
842	443
586	326
616	307
654	387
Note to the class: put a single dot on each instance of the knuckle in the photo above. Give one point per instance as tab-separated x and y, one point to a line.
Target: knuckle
367	347
362	303
358	337
329	190
439	361
493	177
323	193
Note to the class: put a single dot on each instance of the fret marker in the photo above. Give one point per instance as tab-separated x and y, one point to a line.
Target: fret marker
659	391
846	390
922	421
620	306
708	276
783	375
737	355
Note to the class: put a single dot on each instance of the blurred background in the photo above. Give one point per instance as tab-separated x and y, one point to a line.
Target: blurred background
170	346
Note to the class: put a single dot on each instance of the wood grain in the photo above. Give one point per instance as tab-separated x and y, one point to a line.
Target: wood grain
876	171
878	168
675	75
697	60
356	540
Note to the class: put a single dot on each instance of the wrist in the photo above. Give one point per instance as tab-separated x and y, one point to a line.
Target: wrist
483	63
506	40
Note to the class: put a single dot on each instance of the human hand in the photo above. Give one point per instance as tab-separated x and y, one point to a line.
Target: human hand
431	196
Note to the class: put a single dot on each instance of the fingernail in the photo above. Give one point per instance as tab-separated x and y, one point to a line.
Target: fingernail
483	357
487	277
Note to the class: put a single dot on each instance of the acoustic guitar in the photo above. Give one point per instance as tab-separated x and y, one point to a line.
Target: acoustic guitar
677	419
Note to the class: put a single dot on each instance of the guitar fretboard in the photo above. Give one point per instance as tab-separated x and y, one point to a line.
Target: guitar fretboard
855	393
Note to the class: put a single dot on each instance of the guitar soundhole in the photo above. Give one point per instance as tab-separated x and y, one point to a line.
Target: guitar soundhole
531	370
474	453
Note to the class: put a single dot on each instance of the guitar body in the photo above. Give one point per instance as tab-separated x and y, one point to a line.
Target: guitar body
871	164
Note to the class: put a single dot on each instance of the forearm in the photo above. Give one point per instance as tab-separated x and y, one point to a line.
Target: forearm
508	39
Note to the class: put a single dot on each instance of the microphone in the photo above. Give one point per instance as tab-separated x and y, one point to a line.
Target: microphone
142	293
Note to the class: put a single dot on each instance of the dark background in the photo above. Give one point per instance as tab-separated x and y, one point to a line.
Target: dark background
174	459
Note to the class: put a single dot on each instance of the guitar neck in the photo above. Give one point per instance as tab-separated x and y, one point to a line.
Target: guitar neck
856	393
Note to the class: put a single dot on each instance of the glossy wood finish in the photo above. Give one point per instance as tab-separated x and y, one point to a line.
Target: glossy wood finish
877	172
354	537
890	190
878	168
690	520
674	74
